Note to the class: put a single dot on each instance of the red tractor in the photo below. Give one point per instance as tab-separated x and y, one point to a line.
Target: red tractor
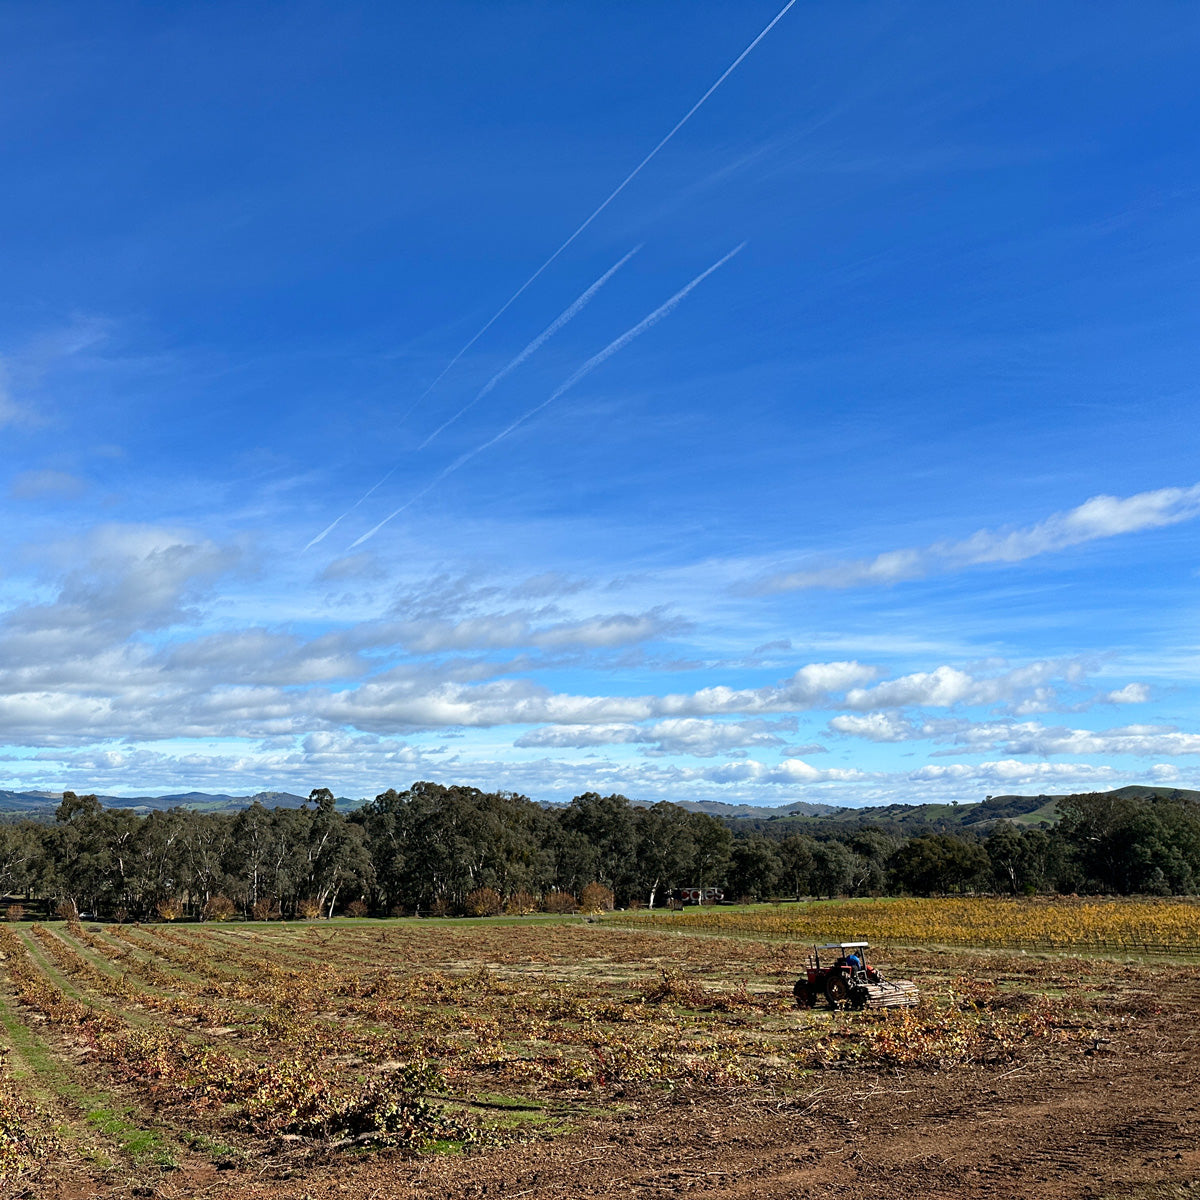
846	979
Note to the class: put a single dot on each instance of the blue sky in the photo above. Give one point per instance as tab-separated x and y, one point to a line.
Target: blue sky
899	503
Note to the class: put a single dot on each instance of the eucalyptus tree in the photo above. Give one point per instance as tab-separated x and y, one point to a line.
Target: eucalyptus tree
1132	843
666	849
206	840
601	842
87	855
755	869
384	831
940	862
713	844
833	868
797	860
159	861
1020	859
336	855
20	848
248	857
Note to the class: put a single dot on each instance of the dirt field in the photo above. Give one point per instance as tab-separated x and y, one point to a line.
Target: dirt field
576	1060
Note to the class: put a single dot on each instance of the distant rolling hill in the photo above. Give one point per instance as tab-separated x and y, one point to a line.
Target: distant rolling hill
909	819
41	805
798	817
718	808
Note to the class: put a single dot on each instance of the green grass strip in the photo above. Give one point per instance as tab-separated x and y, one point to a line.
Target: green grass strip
52	1081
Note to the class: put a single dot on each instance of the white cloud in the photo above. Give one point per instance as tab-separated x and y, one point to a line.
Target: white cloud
125	578
260	656
876	727
789	772
1021	737
1013	773
1097	518
1147	740
113	653
387	707
1165	773
579	736
948	686
683	736
137	657
497	631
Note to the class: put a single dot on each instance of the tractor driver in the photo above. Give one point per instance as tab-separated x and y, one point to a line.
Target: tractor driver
854	963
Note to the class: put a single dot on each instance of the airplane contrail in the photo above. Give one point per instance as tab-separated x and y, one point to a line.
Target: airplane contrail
687	116
566	315
338	520
592	363
542	338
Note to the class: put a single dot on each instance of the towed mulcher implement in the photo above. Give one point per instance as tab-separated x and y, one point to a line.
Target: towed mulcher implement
850	981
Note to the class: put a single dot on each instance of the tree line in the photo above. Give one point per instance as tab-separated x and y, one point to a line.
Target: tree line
448	849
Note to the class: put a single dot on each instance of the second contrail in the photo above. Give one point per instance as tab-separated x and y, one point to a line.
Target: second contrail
568	314
592	363
687	116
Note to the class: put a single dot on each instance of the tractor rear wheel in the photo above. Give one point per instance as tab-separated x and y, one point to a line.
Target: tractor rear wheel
836	991
805	998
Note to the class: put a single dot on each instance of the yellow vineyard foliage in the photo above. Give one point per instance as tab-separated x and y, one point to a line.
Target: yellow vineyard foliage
1057	924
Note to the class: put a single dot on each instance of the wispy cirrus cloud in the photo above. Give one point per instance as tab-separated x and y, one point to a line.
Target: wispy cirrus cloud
1095	519
46	484
10	411
500	630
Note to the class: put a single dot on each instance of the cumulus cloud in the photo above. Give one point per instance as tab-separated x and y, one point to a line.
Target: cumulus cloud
126	578
130	636
876	727
1020	737
387	707
1033	739
683	736
1095	519
1013	773
946	687
114	653
790	771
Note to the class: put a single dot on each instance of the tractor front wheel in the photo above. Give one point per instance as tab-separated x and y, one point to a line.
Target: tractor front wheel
805	997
